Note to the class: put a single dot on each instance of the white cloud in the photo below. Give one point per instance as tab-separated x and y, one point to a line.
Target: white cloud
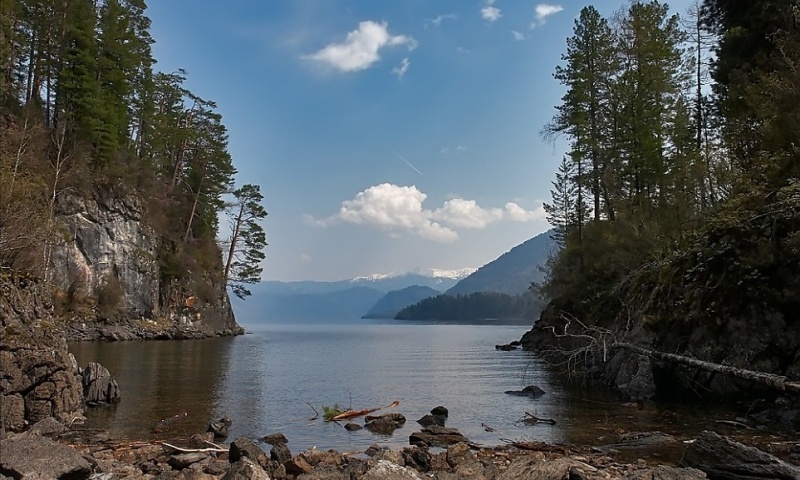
401	69
398	209
490	13
437	21
542	11
517	35
361	48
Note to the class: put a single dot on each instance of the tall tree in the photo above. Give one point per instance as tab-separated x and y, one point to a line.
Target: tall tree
247	241
588	73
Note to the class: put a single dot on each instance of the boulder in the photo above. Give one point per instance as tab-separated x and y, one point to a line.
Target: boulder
460	454
385	424
245	469
99	387
220	428
386	470
529	391
280	453
438	416
436	436
29	456
531	468
274	438
418	458
179	461
244	447
722	458
48	427
667	473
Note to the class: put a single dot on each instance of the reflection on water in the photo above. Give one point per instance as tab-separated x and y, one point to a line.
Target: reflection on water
158	380
270	381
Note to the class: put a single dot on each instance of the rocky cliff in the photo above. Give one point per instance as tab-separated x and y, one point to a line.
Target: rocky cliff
39	378
113	283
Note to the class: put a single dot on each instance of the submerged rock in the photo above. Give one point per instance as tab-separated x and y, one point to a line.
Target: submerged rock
220	427
529	391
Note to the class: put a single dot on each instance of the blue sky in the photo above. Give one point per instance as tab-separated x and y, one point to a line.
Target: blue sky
386	136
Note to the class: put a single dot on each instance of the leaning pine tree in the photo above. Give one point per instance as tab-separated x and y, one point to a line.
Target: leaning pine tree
247	241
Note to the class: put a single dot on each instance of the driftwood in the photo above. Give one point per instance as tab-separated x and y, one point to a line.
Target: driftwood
358	413
531	419
537	446
215	449
316	413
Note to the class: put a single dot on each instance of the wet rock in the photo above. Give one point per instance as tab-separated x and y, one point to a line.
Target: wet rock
274	438
220	427
436	436
38	457
720	457
388	455
280	453
325	474
460	454
507	347
385	470
385	424
244	447
531	468
667	473
352	427
418	458
98	386
438	416
529	391
184	460
297	466
372	450
245	469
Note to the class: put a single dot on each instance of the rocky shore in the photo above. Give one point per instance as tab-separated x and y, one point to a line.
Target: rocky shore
51	450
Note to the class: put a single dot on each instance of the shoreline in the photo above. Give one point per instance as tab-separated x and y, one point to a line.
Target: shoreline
53	451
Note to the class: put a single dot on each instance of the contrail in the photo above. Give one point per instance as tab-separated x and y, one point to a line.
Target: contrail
403	159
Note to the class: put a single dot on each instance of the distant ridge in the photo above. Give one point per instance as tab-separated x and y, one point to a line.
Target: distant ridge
394	301
512	272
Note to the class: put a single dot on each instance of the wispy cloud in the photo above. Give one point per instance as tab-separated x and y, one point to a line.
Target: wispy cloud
437	21
401	69
399	209
447	150
542	11
361	48
517	35
489	12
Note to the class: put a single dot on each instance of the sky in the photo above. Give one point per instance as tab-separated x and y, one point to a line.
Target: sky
386	136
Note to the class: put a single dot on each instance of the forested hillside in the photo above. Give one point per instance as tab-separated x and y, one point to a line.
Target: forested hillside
88	125
678	203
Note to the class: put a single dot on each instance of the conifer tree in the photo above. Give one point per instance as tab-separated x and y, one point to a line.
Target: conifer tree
247	241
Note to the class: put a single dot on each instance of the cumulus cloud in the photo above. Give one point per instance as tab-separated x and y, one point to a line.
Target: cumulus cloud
489	12
542	11
399	209
401	69
361	48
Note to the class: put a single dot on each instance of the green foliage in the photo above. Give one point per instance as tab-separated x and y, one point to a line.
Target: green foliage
329	412
247	241
474	306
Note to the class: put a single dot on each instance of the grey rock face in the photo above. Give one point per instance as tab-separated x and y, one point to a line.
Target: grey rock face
38	379
98	385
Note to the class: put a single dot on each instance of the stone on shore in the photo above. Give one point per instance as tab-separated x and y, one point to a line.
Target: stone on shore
667	473
244	447
531	468
245	469
720	457
386	470
436	436
28	456
220	428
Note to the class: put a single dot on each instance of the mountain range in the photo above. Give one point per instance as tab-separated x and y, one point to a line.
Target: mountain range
383	295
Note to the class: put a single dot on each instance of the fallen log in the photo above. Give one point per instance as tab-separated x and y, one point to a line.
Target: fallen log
531	419
778	382
195	450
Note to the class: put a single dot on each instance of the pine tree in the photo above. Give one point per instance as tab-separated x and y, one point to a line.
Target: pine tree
247	241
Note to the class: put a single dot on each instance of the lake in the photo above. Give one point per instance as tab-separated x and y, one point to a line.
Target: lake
272	379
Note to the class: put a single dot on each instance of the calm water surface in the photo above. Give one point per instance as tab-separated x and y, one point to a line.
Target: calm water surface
266	380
